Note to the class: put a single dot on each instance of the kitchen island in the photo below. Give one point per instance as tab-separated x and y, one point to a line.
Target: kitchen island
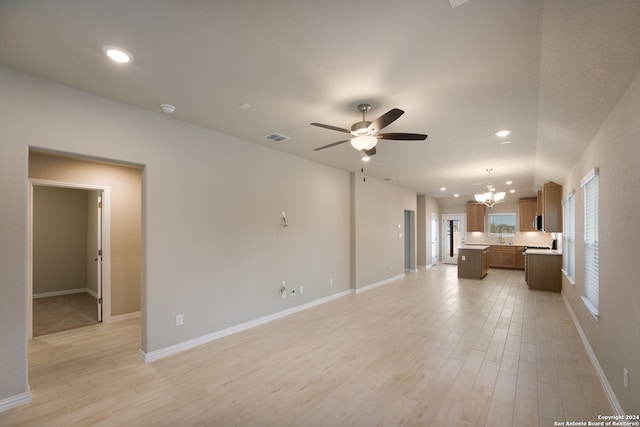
473	261
543	269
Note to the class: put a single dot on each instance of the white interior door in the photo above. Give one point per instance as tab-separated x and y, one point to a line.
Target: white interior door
454	233
99	258
434	239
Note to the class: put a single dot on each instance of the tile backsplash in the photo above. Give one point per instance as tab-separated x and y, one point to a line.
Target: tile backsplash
533	238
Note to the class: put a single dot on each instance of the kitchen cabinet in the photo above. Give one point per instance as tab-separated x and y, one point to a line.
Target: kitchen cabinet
544	271
552	208
473	261
506	257
476	214
528	209
520	257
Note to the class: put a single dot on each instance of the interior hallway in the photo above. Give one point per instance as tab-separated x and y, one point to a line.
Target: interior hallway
426	350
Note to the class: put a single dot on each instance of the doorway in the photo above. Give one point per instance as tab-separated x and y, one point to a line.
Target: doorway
454	234
68	273
434	239
409	241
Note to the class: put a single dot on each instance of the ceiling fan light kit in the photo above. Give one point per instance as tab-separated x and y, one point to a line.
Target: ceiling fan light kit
365	134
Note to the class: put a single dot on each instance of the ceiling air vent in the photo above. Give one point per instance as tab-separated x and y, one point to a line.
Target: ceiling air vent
277	137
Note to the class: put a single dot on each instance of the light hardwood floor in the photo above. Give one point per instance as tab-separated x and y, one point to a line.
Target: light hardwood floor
429	350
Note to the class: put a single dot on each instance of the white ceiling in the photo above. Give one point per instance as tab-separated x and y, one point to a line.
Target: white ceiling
550	71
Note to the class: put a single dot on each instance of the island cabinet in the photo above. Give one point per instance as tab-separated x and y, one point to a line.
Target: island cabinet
473	261
544	270
476	214
506	257
528	211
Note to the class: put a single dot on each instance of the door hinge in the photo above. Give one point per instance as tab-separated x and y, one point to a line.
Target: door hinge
100	205
100	252
100	300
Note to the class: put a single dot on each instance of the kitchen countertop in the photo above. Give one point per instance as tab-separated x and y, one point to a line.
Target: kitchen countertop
476	247
542	252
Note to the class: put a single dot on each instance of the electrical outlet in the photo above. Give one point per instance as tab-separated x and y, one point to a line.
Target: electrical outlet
626	378
331	282
293	292
179	319
464	258
301	289
283	290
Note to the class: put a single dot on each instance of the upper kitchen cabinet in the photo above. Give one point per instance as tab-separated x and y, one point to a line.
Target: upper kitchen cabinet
476	213
528	211
552	208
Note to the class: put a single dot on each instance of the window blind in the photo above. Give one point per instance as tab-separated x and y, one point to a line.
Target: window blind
591	242
569	237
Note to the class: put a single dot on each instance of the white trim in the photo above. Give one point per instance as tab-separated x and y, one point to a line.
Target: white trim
106	245
186	345
569	278
613	400
381	283
589	176
126	316
14	401
65	292
591	308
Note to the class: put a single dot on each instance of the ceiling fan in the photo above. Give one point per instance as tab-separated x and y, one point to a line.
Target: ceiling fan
365	134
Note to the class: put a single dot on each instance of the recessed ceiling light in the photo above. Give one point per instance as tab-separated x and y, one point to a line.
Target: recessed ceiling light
505	142
167	108
366	158
244	106
503	133
456	195
512	191
117	54
509	182
443	188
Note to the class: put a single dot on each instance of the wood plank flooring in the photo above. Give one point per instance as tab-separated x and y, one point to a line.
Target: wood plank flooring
428	350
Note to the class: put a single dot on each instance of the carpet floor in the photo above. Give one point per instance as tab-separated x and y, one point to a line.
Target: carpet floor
63	312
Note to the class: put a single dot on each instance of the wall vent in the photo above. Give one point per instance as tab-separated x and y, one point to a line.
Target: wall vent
277	137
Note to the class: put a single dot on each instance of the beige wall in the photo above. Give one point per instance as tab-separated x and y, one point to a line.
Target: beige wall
615	339
378	210
126	196
59	239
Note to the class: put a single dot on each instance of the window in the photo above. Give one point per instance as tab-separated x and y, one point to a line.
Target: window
569	237
502	224
591	243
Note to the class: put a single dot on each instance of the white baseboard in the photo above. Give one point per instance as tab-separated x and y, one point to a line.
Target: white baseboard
186	345
613	400
65	292
14	401
381	283
126	316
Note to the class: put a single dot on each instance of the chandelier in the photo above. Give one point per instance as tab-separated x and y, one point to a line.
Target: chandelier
490	198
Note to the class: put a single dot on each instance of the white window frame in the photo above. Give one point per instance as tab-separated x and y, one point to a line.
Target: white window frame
569	237
515	229
591	298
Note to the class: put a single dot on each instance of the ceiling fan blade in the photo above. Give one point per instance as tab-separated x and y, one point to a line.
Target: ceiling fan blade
331	145
403	136
320	125
370	152
386	119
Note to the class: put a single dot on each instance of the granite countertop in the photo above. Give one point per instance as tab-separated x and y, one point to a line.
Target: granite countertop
476	247
543	252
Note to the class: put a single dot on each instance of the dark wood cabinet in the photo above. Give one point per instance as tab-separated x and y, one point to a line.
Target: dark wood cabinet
476	214
528	209
544	272
473	263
